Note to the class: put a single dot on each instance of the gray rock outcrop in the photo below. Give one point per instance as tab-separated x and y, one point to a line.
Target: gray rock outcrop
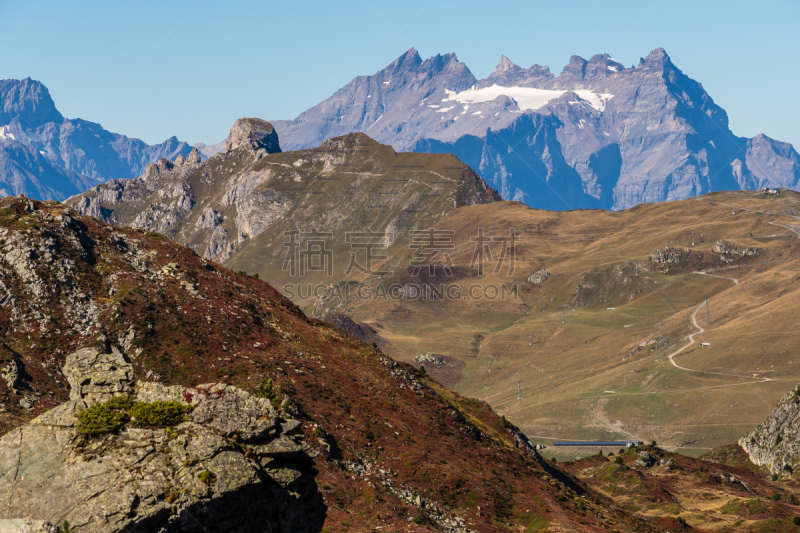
234	463
667	255
252	134
539	277
774	443
730	251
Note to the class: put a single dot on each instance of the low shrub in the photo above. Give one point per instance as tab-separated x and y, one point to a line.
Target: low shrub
101	418
159	413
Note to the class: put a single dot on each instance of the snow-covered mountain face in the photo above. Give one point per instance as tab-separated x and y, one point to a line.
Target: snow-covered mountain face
598	135
46	156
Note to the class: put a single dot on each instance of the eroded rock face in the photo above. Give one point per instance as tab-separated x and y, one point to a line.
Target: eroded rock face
234	464
95	375
730	251
773	443
667	255
252	134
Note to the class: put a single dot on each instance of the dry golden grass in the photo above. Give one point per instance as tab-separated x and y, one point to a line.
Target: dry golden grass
567	369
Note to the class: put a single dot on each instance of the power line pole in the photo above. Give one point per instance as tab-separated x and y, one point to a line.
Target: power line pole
562	317
530	339
490	366
519	391
661	342
734	208
692	238
708	313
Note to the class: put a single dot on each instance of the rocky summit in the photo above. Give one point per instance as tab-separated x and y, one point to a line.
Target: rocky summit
231	207
47	156
252	134
597	135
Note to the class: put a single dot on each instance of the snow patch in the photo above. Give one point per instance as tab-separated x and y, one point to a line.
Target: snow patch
386	83
42	152
5	134
526	97
433	105
444	109
612	69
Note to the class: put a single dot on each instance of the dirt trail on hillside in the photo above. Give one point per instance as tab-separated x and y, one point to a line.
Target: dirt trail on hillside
671	356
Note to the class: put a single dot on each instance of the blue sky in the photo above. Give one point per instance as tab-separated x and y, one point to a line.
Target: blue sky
152	69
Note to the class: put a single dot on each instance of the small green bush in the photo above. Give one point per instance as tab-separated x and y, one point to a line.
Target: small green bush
796	520
266	390
618	460
159	413
102	418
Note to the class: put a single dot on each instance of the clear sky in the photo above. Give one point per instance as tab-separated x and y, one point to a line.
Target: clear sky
153	69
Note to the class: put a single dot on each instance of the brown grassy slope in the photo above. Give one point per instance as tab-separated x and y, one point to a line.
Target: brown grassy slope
398	451
589	377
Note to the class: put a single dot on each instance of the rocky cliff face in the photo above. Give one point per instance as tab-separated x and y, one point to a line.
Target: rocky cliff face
47	156
237	207
598	135
774	443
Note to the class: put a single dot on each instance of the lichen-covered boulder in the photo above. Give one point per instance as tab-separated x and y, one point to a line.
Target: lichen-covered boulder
96	375
234	463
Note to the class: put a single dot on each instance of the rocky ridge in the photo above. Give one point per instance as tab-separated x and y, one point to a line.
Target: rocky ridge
597	135
47	156
231	207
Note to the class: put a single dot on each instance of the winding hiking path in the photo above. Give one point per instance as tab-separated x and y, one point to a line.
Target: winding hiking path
671	356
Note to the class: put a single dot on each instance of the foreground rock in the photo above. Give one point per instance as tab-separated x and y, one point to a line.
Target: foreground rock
233	464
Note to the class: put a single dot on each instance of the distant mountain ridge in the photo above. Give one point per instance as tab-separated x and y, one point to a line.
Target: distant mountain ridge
598	135
47	156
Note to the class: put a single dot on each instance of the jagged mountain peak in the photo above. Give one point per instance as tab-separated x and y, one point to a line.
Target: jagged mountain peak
409	59
28	101
656	59
503	66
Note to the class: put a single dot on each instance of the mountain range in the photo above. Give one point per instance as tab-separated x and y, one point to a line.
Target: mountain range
598	135
47	156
